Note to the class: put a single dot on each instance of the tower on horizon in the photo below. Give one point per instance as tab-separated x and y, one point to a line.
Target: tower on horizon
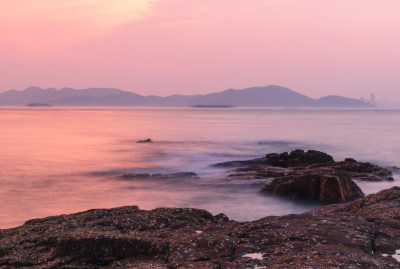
373	101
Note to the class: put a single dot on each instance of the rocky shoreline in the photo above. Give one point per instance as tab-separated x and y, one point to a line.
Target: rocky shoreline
360	234
312	175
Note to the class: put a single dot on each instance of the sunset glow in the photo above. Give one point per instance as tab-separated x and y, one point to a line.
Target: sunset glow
99	13
174	46
39	27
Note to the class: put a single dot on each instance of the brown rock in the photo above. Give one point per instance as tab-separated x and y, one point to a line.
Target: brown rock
323	188
352	235
298	158
311	175
363	170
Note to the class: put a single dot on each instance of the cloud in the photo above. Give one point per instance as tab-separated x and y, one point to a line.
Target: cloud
178	23
37	27
99	13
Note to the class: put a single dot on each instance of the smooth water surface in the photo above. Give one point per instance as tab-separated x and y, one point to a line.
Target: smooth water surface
63	160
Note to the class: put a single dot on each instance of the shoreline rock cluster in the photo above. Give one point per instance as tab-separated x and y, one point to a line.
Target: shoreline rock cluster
360	234
310	175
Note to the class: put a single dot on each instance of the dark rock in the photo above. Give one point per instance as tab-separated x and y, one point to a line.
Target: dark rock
382	209
321	187
311	175
361	234
257	172
177	175
360	167
350	160
384	204
276	159
145	141
240	163
128	176
297	158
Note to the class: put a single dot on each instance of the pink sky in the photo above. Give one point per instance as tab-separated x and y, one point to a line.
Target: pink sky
162	47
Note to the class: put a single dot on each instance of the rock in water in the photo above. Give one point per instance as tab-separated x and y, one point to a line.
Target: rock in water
298	158
145	141
312	175
159	176
316	187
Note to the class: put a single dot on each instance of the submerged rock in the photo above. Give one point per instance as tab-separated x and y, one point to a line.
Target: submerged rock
240	163
146	175
361	234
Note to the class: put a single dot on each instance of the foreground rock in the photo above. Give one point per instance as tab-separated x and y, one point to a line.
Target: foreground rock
311	175
362	234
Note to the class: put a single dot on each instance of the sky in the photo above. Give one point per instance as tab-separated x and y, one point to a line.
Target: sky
164	47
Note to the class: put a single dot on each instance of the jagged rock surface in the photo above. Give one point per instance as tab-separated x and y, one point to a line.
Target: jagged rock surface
352	235
310	175
297	158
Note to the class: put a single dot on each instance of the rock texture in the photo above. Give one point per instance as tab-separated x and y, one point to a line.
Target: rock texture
361	234
297	158
310	175
319	187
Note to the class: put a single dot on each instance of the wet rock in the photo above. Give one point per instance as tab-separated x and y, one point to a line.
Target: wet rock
316	187
176	175
350	160
311	175
129	176
145	141
363	170
297	158
351	235
240	163
384	204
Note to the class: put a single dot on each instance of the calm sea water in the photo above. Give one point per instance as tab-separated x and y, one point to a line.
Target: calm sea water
63	160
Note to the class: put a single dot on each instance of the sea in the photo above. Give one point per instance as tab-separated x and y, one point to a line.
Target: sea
60	160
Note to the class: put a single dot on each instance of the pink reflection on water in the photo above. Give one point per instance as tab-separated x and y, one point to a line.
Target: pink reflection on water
63	160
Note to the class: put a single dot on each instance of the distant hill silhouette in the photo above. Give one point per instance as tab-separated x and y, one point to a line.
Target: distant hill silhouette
268	96
257	96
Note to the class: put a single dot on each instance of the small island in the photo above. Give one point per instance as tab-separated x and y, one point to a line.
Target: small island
38	105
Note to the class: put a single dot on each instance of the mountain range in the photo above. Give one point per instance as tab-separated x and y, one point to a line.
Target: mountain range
268	96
